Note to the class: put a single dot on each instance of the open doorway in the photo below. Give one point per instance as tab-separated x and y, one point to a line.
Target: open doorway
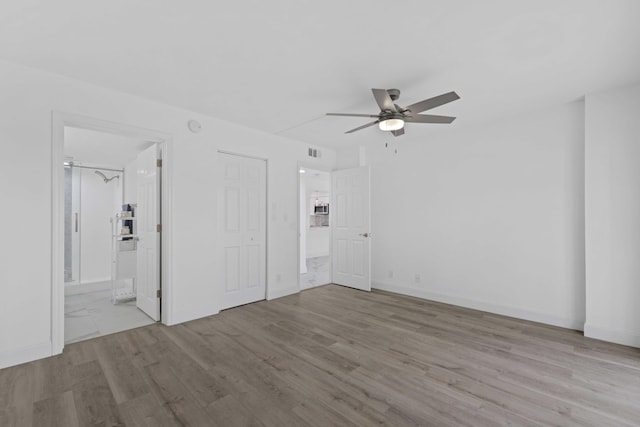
104	217
315	227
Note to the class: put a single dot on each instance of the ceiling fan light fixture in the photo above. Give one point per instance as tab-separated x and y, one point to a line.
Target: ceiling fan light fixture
391	124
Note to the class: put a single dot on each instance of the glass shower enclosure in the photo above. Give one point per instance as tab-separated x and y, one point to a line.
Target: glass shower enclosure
71	225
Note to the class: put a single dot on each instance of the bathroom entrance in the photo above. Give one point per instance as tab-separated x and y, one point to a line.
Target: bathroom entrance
111	232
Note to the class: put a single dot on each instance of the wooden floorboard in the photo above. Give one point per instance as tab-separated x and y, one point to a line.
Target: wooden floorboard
331	356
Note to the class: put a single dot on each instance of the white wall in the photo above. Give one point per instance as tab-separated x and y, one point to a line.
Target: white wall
28	99
99	201
612	212
130	183
489	218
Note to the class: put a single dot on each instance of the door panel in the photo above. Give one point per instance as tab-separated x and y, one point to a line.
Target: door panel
341	256
147	219
232	217
254	213
351	255
253	266
232	268
358	258
242	201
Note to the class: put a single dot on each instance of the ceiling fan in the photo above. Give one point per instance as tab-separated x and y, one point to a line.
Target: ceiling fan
392	117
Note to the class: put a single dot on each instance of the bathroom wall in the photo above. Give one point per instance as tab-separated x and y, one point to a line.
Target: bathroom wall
130	183
99	202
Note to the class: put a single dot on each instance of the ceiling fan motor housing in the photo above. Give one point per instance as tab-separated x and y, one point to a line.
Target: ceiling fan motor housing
394	94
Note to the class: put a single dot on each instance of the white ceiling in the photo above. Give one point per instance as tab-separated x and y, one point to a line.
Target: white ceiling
94	148
280	65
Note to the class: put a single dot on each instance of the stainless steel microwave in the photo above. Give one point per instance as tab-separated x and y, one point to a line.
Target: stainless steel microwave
321	209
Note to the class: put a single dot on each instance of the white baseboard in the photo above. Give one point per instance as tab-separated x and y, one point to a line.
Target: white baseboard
482	306
187	317
25	354
193	315
282	293
620	337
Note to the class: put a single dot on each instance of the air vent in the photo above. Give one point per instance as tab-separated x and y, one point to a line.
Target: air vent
314	152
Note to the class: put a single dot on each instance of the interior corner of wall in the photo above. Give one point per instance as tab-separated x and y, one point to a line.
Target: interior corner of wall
610	335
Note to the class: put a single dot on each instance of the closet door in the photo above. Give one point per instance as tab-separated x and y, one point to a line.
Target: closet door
242	229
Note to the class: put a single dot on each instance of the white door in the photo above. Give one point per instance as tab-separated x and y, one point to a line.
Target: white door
146	227
350	218
242	207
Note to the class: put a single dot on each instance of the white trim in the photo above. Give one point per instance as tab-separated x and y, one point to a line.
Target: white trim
25	354
166	212
58	122
57	233
518	313
192	315
233	153
620	337
283	293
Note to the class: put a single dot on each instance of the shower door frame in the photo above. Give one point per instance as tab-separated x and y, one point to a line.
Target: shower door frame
75	234
59	121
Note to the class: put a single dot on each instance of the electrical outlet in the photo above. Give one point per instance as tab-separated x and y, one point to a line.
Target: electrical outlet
417	278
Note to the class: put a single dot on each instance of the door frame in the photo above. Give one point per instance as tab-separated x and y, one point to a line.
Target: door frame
58	122
306	165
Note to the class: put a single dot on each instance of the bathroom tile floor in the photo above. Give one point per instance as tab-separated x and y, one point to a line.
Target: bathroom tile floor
93	314
318	272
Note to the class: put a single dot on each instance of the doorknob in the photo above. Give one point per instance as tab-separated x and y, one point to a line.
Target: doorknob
365	235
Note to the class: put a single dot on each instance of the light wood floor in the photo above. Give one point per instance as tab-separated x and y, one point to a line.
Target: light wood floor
331	356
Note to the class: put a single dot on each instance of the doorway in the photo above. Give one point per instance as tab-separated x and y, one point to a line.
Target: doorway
100	210
315	227
339	202
103	212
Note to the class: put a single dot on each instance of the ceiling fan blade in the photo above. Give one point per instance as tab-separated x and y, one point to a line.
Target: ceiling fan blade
428	118
398	132
362	127
384	100
352	115
434	102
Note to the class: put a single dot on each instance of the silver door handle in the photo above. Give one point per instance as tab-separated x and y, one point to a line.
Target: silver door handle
364	235
76	214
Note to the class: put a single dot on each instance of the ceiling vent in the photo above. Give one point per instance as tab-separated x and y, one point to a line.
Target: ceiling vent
314	152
